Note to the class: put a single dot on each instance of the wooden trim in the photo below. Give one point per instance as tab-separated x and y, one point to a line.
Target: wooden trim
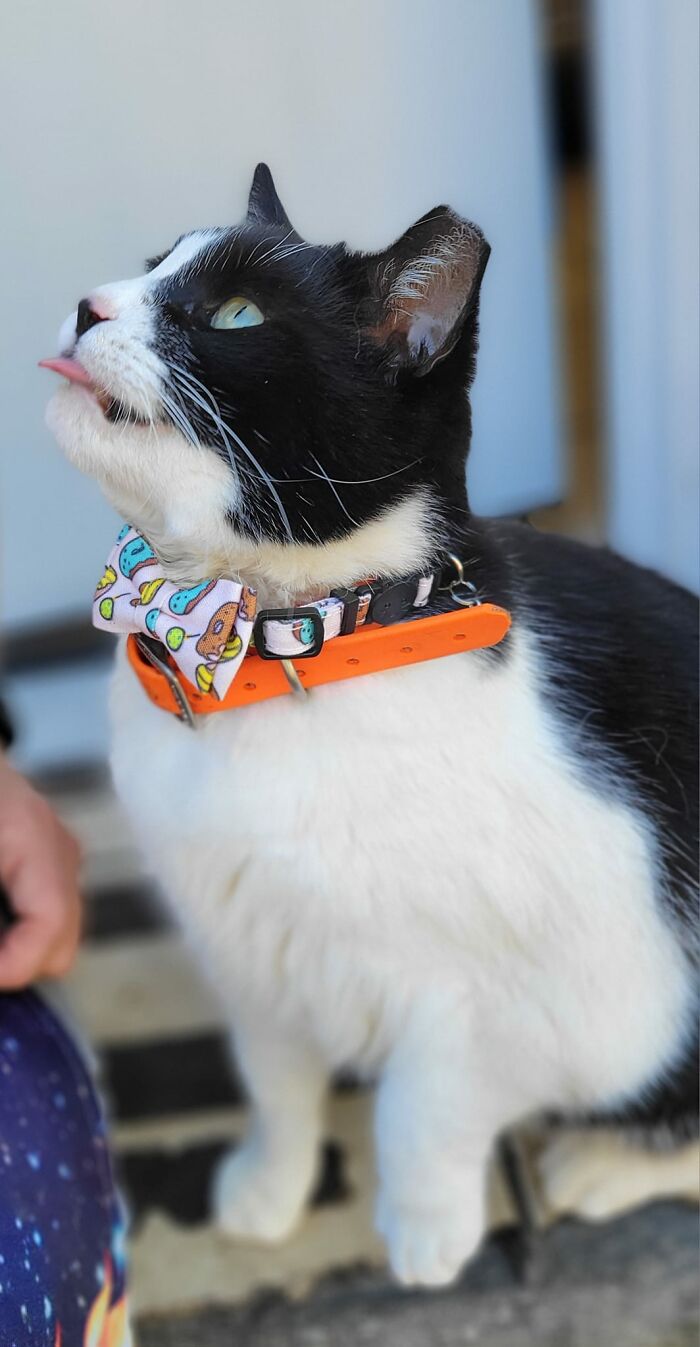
43	645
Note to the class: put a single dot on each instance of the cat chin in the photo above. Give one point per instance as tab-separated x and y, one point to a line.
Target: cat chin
181	496
81	429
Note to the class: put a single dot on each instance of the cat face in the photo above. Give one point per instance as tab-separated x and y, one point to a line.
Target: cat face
284	391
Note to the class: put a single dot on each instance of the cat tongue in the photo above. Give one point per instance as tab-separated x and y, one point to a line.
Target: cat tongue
70	369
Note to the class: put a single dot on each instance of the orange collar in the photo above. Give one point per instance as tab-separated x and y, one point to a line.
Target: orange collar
369	649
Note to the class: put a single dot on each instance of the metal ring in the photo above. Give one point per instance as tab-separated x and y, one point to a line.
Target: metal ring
472	599
459	567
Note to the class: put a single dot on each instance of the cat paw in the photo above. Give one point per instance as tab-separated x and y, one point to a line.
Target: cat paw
255	1201
593	1175
428	1247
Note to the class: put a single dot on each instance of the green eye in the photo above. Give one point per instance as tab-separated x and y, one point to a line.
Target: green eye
238	312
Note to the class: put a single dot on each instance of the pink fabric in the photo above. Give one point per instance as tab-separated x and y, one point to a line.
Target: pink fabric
205	627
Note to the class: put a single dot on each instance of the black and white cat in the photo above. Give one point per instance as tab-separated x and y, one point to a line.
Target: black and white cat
471	879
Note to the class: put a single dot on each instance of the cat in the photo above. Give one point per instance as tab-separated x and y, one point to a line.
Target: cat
471	880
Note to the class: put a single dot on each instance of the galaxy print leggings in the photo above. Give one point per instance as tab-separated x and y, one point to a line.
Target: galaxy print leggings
62	1278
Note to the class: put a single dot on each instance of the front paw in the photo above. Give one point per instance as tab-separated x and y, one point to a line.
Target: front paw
428	1246
255	1200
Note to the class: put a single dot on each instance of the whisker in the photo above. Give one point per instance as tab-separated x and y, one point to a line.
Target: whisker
359	481
239	470
311	269
260	244
335	493
186	390
179	416
226	431
192	379
311	528
288	252
271	251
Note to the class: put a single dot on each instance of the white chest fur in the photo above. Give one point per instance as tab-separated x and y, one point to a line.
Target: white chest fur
338	857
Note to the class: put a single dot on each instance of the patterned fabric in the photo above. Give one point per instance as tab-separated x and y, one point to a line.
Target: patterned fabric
62	1277
286	637
205	627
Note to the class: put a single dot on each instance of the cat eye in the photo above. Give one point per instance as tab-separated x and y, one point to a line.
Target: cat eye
238	312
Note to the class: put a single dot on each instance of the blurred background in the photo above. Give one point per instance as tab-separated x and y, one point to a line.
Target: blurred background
569	130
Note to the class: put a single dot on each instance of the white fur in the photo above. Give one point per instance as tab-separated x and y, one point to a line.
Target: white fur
179	495
403	874
118	354
600	1174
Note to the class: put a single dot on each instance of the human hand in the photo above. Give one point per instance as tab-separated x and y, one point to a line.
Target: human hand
39	862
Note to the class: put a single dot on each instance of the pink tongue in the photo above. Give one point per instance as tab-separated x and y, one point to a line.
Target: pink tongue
70	369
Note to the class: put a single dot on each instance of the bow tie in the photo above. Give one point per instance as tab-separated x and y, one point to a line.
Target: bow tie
205	627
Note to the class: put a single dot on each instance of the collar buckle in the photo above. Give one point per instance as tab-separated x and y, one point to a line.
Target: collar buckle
288	615
350	599
392	600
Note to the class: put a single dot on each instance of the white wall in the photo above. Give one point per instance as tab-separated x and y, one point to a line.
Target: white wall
124	123
649	139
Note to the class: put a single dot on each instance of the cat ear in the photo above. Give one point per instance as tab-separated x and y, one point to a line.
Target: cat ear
264	205
426	289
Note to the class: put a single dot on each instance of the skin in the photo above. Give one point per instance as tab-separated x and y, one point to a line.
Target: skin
39	864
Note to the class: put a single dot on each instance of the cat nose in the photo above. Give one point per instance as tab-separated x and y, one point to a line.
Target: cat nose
88	315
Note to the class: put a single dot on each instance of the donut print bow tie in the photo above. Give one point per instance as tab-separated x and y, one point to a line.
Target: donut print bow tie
205	627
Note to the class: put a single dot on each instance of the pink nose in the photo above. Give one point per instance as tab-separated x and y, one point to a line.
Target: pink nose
92	311
102	306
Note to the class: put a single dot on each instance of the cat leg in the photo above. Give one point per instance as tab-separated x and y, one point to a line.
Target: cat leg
261	1188
436	1120
598	1174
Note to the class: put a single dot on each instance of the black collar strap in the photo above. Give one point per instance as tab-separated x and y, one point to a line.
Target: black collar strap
284	633
300	632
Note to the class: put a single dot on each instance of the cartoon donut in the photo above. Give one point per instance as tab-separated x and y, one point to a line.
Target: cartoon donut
205	681
185	600
232	648
106	581
212	643
147	592
304	631
362	606
248	604
174	637
134	555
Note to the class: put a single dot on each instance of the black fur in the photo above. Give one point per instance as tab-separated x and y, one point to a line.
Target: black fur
618	649
318	388
336	384
617	646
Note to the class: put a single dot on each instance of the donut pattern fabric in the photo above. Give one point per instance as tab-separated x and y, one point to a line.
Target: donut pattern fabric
206	627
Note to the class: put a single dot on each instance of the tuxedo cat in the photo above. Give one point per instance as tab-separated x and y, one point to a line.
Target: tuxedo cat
471	880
